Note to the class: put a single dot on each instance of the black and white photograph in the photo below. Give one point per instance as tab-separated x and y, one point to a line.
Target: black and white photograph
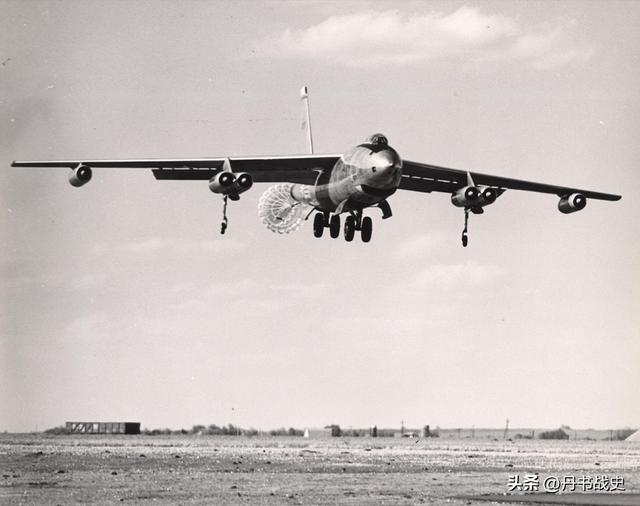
319	252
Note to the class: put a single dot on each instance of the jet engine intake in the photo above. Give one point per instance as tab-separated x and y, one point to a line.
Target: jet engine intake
466	197
80	176
474	196
223	182
228	183
488	195
243	182
572	203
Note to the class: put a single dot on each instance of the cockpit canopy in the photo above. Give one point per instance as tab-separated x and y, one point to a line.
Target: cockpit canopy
377	139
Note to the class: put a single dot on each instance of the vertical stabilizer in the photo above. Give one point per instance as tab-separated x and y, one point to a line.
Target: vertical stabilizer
306	118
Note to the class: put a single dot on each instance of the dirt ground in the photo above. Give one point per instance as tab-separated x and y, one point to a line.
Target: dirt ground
96	469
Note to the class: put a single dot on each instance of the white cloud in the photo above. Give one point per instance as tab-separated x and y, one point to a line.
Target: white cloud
152	245
54	281
299	290
381	325
87	281
418	246
374	38
548	47
459	276
436	285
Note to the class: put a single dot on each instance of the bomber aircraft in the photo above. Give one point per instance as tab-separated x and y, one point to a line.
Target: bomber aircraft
331	185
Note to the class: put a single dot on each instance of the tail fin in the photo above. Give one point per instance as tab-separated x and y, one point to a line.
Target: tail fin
306	118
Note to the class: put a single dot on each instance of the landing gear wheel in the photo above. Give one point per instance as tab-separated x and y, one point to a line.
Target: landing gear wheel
334	226
349	228
366	229
465	239
318	224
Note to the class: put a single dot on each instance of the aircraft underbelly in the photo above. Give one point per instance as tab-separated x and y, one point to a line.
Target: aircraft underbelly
332	195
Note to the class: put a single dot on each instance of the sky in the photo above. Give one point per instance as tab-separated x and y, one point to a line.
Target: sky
120	301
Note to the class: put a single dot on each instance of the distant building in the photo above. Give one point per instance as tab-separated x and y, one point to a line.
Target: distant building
405	433
317	433
103	427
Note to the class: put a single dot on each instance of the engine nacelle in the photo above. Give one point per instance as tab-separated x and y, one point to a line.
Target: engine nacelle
474	196
223	182
572	203
243	182
466	197
488	195
79	176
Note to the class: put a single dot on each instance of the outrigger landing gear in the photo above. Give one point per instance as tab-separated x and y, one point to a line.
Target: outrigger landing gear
225	221
465	236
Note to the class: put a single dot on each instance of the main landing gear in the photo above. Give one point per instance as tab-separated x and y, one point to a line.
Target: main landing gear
353	223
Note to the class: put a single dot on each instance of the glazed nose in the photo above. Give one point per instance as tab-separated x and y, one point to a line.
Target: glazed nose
385	164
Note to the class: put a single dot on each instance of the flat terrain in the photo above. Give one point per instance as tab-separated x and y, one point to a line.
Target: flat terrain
94	469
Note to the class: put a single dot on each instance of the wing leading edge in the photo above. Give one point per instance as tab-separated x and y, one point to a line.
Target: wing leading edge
427	178
303	169
263	169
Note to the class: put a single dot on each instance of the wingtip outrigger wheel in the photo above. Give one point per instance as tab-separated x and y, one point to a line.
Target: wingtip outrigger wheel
465	235
225	220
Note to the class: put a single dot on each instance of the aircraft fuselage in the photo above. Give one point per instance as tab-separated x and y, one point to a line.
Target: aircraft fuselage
364	176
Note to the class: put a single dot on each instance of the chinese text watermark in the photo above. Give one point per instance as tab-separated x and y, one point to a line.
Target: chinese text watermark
569	483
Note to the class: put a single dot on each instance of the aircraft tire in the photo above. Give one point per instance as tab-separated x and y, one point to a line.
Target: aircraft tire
349	228
318	224
366	229
334	226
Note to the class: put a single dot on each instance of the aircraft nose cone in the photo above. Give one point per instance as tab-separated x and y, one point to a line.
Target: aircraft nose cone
383	160
385	165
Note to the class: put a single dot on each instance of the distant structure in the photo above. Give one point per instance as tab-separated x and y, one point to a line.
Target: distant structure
103	427
406	433
317	433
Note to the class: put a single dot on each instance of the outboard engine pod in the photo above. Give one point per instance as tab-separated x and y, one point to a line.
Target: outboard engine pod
466	196
222	182
80	176
572	203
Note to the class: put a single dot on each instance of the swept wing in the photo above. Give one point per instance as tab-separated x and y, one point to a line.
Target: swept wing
304	169
263	169
427	178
